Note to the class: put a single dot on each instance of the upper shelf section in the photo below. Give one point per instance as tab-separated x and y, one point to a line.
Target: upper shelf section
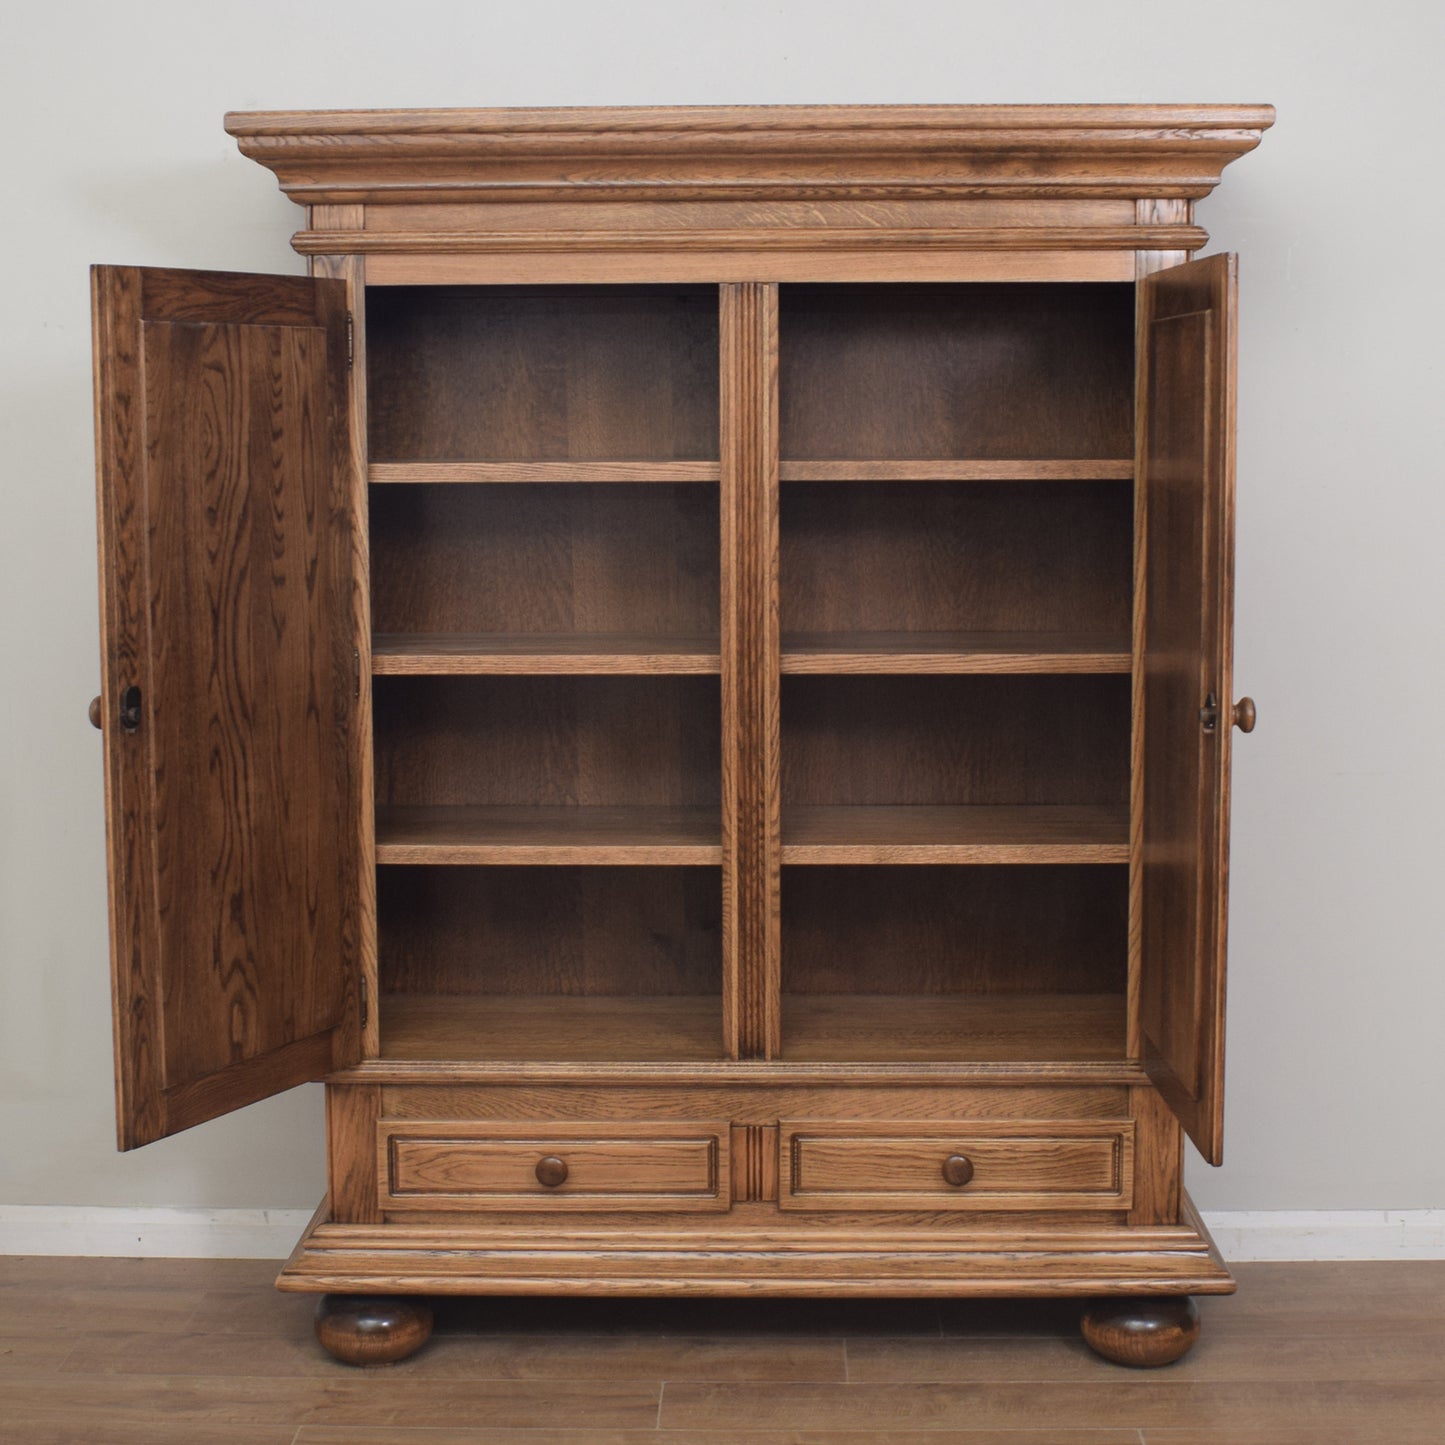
751	190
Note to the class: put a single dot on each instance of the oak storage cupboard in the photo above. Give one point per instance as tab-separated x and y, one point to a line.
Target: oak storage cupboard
685	671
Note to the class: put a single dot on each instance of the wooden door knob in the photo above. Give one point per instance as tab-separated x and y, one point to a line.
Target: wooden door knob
95	712
1244	714
551	1171
957	1170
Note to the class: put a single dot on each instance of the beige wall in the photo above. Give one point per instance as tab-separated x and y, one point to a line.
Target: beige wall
114	152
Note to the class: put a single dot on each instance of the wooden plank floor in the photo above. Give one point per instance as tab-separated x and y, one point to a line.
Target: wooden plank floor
205	1352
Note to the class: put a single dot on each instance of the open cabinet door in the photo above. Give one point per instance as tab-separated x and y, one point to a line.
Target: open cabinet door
1186	481
227	573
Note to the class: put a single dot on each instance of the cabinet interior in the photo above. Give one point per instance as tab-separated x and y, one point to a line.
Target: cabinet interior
955	558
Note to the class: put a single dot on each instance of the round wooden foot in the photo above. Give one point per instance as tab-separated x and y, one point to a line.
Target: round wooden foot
1142	1332
372	1329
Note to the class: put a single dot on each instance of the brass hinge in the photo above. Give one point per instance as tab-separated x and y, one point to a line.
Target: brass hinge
356	673
1209	714
350	341
365	1003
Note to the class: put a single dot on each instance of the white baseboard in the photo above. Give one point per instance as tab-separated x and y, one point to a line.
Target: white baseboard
1242	1235
151	1233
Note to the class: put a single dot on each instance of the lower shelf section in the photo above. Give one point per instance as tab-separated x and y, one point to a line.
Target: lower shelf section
953	1028
817	1028
551	1029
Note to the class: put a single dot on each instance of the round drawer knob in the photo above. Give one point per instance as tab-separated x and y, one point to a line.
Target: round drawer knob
96	718
957	1170
1245	714
551	1171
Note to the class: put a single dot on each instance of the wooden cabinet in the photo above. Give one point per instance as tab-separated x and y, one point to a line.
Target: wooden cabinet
685	671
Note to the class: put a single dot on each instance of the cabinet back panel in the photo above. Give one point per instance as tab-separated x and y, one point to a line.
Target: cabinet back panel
939	556
543	373
539	931
955	740
958	371
947	930
547	741
591	557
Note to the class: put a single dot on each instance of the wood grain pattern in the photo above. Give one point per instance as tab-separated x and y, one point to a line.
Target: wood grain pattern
224	481
957	652
1159	1174
955	469
982	556
633	836
543	375
1187	484
955	741
549	560
550	930
947	372
754	1162
546	741
351	1114
993	1027
921	834
1021	1164
515	1027
442	1164
473	653
750	677
371	1331
954	929
525	471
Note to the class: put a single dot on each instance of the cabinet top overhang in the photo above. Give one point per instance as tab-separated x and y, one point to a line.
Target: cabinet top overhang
882	152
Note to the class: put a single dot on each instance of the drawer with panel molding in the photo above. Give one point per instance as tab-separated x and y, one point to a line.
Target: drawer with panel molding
473	1165
979	1165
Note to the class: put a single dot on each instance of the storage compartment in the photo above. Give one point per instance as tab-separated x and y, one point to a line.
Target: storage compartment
982	1165
550	963
961	371
444	1164
555	373
962	964
1006	576
544	571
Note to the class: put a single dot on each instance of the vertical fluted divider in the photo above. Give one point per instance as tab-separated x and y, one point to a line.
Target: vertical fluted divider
752	847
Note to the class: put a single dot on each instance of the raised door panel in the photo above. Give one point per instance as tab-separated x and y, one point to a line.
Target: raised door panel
228	593
1186	483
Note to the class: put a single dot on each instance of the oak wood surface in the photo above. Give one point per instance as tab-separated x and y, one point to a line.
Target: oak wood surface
470	653
933	834
1017	372
566	558
1186	481
959	652
543	375
525	470
474	1025
556	930
636	836
980	556
1036	1027
751	785
226	523
955	469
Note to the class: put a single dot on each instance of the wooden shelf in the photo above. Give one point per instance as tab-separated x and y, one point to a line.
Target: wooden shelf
634	836
955	652
823	835
524	471
473	653
471	1028
953	1028
933	469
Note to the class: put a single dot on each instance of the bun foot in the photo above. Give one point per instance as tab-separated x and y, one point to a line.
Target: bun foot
372	1329
1144	1332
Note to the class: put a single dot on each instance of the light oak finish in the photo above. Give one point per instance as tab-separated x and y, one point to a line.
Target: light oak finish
467	654
637	836
737	755
440	1164
1021	1164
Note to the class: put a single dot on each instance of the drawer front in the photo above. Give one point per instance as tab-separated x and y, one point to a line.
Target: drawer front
981	1165
452	1164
